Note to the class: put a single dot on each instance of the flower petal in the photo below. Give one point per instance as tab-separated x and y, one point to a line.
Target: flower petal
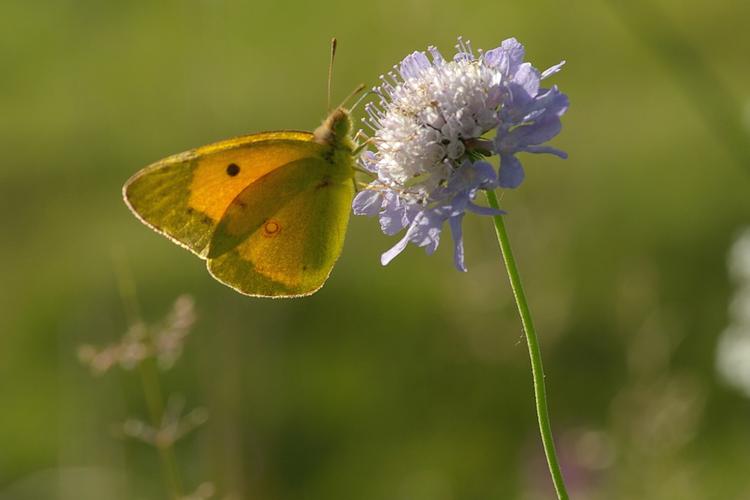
481	210
546	150
369	161
511	171
552	101
425	230
391	222
458	242
486	176
437	57
527	77
395	214
414	64
393	252
507	57
367	202
552	70
536	133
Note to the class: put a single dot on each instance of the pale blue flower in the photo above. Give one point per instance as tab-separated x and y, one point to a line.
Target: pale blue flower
429	129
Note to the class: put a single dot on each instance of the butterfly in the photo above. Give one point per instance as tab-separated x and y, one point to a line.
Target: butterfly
267	211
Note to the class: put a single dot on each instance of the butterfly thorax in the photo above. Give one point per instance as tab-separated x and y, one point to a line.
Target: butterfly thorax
335	131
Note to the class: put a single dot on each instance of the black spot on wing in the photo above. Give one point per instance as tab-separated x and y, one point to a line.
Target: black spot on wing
233	169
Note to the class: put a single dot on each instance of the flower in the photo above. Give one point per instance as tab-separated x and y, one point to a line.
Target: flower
163	341
429	129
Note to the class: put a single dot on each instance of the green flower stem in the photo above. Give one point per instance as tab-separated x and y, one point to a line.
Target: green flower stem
155	402
535	353
150	381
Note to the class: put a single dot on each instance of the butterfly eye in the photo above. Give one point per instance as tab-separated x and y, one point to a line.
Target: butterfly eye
233	169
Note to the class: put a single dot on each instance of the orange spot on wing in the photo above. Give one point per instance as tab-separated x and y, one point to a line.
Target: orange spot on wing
271	228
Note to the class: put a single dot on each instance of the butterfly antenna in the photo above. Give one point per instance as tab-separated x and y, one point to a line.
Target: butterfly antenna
356	91
330	71
361	98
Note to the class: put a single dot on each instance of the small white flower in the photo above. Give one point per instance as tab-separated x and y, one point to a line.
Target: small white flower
733	350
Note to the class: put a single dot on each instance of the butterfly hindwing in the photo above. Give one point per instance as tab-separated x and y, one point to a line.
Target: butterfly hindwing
282	235
185	196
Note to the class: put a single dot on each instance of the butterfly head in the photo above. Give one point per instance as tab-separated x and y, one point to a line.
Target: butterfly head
335	130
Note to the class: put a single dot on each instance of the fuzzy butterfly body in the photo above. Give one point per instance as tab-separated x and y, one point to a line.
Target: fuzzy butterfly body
268	211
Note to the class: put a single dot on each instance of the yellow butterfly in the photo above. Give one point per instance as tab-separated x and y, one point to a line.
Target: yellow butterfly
267	211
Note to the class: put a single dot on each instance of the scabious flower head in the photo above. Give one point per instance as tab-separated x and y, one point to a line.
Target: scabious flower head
432	128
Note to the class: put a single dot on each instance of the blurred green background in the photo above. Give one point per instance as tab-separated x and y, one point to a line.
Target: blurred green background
405	382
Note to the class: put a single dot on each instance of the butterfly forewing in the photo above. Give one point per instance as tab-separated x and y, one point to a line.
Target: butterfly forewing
185	196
